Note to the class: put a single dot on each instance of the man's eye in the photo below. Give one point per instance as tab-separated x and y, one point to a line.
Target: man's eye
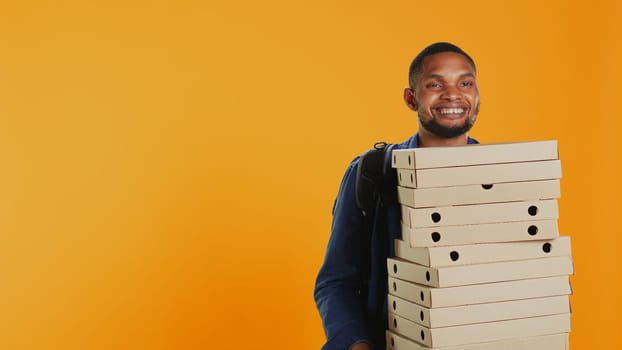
466	83
434	85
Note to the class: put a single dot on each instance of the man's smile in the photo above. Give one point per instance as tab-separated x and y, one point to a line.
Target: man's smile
447	112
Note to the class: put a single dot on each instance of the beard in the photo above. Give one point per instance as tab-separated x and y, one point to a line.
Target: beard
432	125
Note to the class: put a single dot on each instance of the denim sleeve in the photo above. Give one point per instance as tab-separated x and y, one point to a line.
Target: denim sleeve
339	288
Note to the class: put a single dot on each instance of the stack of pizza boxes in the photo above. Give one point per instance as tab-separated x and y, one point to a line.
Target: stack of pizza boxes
481	264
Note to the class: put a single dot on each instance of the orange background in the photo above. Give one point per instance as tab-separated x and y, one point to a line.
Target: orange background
168	168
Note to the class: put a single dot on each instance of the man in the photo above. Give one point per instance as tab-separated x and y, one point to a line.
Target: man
351	287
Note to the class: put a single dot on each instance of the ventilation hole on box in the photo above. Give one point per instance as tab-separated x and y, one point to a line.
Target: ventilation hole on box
532	230
533	210
436	217
422	335
400	176
487	187
394	159
421	315
546	247
394	268
394	287
392	341
454	255
412	180
394	305
421	296
395	322
409	159
427	276
436	236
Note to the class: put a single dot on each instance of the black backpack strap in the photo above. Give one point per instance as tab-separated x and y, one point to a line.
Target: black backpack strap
370	177
375	187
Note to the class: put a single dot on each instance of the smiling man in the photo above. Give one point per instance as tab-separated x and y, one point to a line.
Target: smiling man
443	90
351	287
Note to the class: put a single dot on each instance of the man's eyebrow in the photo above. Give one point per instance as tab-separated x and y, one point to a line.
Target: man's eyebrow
439	76
434	76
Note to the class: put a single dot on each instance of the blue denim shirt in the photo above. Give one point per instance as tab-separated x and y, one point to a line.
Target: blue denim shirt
351	287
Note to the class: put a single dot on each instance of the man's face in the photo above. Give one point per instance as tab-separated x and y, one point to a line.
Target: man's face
446	95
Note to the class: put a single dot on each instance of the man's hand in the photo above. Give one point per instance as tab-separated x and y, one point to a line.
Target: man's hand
361	346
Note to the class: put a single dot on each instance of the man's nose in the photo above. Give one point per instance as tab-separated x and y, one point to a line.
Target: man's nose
451	93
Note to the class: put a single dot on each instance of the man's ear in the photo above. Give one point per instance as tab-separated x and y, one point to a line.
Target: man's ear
409	98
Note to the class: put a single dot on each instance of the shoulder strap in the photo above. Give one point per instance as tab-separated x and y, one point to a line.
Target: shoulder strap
370	175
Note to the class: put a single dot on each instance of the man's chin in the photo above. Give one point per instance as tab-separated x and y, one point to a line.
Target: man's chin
447	130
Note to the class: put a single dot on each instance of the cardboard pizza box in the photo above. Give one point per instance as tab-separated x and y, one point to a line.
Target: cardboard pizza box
451	276
481	233
480	174
557	341
479	332
482	253
479	293
478	194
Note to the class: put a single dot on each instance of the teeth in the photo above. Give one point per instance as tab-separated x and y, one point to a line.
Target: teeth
451	110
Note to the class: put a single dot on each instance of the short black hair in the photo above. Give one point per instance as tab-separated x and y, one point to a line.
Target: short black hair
417	63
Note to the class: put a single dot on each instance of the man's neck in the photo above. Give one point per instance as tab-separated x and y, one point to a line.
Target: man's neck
427	139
